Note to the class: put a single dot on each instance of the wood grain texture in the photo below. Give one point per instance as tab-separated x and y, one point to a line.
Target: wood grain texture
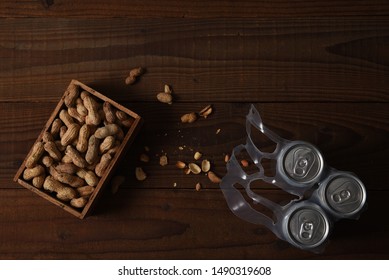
190	9
352	137
316	70
169	224
217	60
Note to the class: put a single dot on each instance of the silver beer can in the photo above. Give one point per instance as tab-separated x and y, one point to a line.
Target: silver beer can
343	194
301	163
306	226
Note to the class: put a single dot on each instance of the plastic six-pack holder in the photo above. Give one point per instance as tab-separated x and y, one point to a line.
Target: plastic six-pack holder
300	169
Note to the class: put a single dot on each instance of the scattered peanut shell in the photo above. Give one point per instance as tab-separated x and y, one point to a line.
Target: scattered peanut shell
205	165
189	118
165	97
244	163
218	131
198	187
180	164
167	89
134	74
226	158
163	160
187	171
194	168
197	155
206	111
213	177
144	158
140	174
130	80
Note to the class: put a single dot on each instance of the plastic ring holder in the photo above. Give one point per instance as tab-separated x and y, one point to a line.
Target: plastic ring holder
300	170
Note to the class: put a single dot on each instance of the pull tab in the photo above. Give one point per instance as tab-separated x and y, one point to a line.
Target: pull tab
303	161
306	230
308	225
341	196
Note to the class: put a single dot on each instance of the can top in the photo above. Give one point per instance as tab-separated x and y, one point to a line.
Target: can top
303	163
308	227
345	194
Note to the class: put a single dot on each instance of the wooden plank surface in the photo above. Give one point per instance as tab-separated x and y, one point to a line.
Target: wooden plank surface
191	9
316	70
214	60
169	224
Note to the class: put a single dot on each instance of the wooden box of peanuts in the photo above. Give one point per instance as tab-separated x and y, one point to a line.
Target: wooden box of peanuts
82	142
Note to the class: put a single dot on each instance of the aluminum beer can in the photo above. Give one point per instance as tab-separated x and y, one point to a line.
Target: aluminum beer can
301	163
307	226
343	194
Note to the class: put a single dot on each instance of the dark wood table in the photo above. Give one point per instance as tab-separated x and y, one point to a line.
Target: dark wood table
316	70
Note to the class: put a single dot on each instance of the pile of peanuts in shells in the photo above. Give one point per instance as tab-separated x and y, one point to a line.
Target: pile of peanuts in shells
77	148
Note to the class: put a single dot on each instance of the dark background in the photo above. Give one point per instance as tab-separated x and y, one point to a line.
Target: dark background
316	70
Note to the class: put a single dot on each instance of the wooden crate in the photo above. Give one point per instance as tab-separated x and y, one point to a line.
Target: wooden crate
104	180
